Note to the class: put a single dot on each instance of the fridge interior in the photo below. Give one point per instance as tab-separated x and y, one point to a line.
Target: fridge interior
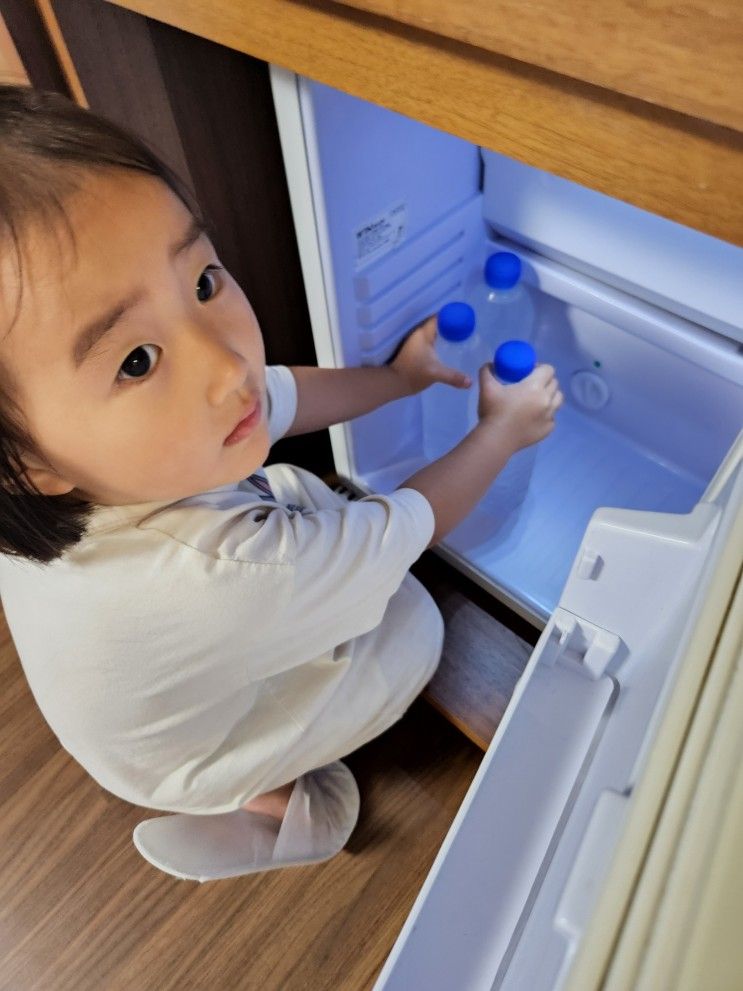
639	316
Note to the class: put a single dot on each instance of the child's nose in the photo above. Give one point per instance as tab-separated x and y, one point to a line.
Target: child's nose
226	368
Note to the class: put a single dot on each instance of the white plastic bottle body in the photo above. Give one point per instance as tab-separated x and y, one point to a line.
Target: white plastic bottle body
446	407
502	315
511	485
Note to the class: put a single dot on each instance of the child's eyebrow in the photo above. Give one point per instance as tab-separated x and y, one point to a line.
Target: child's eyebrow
97	328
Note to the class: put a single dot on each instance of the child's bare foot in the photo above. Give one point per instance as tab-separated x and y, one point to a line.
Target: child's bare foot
272	803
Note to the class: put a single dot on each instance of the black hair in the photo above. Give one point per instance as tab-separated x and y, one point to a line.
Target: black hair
47	145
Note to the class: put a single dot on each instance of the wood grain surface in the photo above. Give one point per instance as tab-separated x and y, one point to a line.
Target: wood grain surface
486	648
12	69
479	669
80	910
680	167
687	57
30	37
67	65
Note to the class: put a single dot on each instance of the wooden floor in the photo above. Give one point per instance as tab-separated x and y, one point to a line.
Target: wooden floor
81	911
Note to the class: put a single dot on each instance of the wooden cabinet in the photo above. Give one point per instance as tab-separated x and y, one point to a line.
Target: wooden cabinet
662	53
11	66
641	102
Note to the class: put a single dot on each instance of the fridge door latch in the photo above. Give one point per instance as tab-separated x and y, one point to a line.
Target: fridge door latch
582	645
590	565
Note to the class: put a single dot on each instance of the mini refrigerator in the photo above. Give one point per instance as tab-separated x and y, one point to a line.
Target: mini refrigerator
590	849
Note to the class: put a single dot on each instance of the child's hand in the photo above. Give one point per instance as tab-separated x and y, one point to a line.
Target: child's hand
526	409
418	364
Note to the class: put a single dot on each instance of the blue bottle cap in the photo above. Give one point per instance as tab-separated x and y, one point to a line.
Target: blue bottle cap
514	360
502	270
456	321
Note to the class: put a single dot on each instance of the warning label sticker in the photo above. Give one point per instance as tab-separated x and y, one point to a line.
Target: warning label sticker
381	234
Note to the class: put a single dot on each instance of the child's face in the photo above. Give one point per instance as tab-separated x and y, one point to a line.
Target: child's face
144	415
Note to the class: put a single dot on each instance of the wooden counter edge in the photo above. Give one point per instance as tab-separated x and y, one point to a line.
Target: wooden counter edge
679	167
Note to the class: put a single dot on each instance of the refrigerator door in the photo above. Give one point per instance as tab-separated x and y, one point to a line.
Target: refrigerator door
669	914
574	762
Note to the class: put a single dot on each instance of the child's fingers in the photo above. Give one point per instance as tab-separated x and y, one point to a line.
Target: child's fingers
452	376
489	386
428	328
543	374
486	376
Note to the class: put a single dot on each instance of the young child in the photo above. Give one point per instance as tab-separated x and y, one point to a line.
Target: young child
204	637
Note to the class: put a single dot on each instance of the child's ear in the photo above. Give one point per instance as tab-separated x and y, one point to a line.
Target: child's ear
46	480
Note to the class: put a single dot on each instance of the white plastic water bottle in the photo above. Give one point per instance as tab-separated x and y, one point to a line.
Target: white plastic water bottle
514	360
445	407
505	309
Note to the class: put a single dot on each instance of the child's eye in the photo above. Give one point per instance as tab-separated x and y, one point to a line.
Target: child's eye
137	364
207	285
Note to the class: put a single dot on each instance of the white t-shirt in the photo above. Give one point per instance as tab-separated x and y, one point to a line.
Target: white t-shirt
191	655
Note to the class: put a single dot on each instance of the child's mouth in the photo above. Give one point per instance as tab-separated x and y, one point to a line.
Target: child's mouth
245	426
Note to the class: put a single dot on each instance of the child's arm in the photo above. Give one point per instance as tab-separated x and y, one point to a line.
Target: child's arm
510	417
333	395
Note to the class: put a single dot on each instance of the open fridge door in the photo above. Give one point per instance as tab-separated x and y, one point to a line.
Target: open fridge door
668	916
553	830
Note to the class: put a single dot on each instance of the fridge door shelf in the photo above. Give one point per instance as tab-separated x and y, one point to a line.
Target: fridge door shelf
513	885
585	646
